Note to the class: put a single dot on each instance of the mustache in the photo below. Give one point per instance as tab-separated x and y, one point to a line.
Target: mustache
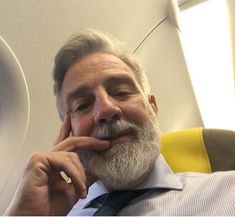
115	128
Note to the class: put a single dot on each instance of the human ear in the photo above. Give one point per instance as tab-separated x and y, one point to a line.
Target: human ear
153	103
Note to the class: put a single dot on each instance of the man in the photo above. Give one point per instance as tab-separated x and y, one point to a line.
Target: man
109	141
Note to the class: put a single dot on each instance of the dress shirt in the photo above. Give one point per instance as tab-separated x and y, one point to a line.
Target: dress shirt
175	194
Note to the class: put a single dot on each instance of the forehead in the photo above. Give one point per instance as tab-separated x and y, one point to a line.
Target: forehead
93	68
99	61
96	63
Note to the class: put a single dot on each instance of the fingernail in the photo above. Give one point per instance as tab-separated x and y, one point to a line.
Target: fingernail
84	194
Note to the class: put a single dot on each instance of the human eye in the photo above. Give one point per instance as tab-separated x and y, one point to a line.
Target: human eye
122	93
81	107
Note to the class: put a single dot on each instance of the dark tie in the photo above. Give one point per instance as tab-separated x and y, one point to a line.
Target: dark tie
116	200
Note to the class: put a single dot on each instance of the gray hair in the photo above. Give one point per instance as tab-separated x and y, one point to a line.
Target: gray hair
86	43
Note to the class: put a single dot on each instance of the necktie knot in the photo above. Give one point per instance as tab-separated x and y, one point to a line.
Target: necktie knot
114	201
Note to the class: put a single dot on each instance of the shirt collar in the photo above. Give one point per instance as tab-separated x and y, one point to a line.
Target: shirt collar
161	176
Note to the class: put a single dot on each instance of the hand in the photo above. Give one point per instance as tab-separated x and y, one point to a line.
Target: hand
42	191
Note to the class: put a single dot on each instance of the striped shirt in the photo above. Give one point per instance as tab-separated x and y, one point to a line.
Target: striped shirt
175	194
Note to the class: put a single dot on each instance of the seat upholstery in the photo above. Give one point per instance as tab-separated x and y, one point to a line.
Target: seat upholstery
199	150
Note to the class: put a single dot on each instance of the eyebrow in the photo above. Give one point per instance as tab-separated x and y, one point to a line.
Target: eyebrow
78	92
120	79
110	81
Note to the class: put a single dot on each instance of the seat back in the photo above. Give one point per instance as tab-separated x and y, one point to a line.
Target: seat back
199	150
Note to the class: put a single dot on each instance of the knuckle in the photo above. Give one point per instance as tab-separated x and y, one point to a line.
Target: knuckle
73	155
74	142
69	140
36	160
35	156
66	161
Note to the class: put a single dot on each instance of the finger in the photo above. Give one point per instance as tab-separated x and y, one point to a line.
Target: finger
65	130
90	179
73	144
61	161
87	177
76	161
76	180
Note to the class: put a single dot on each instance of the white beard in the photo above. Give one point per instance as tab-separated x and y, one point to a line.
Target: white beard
125	162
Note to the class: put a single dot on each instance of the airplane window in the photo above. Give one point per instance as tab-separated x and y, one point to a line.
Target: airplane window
206	41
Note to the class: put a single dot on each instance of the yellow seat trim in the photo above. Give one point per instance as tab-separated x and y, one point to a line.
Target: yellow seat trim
185	151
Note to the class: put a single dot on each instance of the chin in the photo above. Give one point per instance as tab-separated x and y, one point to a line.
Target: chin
128	160
124	181
121	166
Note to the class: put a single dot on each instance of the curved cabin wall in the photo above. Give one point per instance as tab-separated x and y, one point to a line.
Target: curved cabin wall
14	111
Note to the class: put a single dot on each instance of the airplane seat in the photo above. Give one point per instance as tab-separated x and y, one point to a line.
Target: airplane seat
199	150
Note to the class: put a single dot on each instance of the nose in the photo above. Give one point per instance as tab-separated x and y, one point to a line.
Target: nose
106	109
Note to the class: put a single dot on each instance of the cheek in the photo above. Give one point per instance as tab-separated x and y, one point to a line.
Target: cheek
81	127
137	113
